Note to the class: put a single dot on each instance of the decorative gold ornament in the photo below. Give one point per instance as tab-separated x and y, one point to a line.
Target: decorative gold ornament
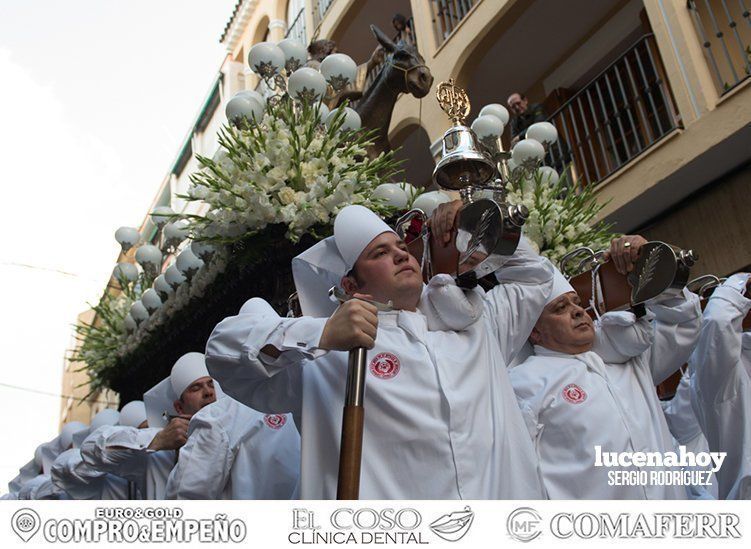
453	101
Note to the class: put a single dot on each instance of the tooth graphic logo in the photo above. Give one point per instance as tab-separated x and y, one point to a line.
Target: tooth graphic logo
454	526
25	523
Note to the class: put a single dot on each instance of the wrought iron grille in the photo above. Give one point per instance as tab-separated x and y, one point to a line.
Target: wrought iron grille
724	27
296	29
447	14
619	114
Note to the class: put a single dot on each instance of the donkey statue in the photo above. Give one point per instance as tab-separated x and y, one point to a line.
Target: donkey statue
403	71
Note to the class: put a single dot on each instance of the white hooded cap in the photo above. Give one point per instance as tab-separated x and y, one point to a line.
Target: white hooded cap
67	432
560	286
257	306
133	414
322	266
354	228
159	400
108	416
187	369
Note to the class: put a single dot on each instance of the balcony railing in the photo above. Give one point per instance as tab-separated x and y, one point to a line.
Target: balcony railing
619	114
725	31
447	14
296	29
320	8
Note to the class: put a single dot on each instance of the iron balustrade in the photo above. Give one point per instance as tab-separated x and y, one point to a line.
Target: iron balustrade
447	14
322	6
619	114
296	29
726	39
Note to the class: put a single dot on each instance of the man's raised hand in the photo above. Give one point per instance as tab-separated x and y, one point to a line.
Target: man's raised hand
173	436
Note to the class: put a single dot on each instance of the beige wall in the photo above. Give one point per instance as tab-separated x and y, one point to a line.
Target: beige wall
75	386
715	223
543	55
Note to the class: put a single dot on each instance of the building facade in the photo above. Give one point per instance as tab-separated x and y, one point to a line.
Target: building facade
651	98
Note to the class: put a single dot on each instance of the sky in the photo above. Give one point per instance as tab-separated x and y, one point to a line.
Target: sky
96	97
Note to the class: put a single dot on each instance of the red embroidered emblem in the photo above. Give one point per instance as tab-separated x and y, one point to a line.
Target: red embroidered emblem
385	365
275	421
574	394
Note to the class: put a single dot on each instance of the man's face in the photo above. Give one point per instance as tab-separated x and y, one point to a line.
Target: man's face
564	326
517	104
198	394
387	271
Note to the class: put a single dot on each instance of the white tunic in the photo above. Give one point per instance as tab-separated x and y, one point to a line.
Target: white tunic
685	428
123	451
30	489
441	420
234	452
71	475
25	474
571	403
721	388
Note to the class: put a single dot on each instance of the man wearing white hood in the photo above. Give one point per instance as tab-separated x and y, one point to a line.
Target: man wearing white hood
146	453
36	473
234	452
721	383
26	473
441	420
578	391
70	477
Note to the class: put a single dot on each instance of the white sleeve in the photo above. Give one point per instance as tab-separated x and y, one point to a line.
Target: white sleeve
234	358
677	323
122	451
204	464
679	415
620	336
70	474
529	389
721	388
514	306
718	349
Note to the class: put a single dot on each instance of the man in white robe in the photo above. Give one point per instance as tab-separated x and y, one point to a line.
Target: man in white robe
29	471
721	384
71	478
441	420
234	452
579	391
686	431
147	455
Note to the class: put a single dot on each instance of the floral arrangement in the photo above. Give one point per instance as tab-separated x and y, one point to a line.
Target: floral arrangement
100	340
295	168
288	168
561	217
107	339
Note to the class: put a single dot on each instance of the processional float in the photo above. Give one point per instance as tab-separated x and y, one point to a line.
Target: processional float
488	228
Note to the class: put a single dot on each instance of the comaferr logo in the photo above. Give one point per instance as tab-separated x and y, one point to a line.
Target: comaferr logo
275	421
524	524
385	365
640	525
574	394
